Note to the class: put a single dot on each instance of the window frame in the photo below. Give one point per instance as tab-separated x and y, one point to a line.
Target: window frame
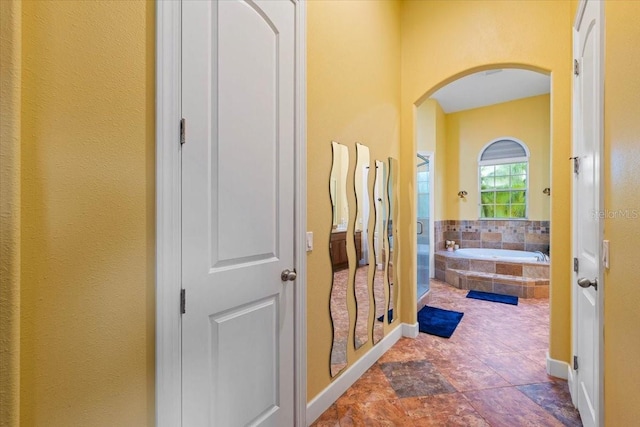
503	161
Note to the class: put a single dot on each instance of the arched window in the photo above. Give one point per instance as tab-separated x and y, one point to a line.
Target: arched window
503	172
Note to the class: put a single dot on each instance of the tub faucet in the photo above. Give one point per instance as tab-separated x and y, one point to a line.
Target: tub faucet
542	257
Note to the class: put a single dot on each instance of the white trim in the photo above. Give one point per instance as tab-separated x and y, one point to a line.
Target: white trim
526	189
502	162
340	384
557	368
432	213
300	344
603	286
582	6
410	331
599	96
168	390
505	138
572	384
168	215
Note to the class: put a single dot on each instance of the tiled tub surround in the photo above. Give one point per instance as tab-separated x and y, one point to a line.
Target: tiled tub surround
521	235
521	279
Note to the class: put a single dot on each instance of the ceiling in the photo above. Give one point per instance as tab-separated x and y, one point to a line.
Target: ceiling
491	87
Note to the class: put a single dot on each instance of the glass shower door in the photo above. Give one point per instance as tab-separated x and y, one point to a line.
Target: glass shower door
424	213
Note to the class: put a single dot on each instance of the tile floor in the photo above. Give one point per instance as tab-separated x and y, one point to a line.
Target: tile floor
491	372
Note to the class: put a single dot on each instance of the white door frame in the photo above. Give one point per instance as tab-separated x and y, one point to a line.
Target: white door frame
168	216
573	384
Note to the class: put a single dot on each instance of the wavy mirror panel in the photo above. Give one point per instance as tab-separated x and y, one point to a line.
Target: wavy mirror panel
379	232
339	257
392	238
361	240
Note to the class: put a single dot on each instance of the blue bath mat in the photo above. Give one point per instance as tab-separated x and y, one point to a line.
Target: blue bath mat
488	296
439	322
389	316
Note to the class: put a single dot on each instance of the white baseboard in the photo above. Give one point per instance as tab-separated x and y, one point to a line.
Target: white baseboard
410	331
329	395
573	390
558	368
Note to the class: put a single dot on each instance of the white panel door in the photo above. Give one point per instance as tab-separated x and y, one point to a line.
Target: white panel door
238	213
587	206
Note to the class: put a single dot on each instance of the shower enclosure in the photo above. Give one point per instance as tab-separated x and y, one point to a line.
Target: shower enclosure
423	203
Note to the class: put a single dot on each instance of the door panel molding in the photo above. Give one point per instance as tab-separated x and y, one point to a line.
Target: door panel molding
168	376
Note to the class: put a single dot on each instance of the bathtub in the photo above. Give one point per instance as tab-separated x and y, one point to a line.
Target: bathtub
498	254
502	271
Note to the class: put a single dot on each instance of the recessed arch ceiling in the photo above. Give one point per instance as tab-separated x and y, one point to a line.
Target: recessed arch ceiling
491	87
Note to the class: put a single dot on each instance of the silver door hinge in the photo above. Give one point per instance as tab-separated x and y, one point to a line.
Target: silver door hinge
576	67
576	164
575	363
183	125
576	265
183	301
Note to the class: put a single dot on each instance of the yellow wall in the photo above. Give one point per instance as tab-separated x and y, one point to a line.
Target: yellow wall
362	159
431	136
621	166
343	184
441	209
470	130
443	40
353	95
426	125
88	209
10	83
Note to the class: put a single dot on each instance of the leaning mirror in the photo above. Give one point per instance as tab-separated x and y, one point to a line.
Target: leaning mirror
392	192
361	241
339	257
380	220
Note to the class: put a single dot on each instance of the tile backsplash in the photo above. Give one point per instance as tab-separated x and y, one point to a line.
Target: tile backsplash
521	235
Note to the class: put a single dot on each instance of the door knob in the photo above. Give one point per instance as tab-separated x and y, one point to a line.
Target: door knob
421	227
288	275
583	282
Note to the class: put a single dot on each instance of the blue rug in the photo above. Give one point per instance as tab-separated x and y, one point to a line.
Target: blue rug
439	322
389	316
488	296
